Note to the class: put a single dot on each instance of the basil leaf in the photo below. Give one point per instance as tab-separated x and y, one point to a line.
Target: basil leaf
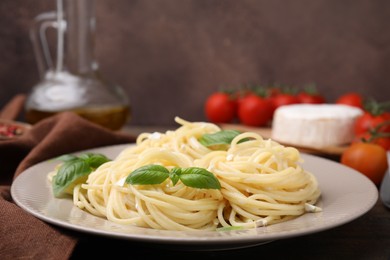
85	156
69	175
66	157
218	138
230	228
174	175
148	174
192	177
199	178
75	170
95	160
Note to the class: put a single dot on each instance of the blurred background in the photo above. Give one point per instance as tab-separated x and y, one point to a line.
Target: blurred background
169	55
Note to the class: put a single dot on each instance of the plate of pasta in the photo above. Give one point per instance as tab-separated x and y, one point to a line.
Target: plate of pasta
198	186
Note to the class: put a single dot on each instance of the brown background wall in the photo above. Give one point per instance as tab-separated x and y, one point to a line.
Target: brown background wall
170	54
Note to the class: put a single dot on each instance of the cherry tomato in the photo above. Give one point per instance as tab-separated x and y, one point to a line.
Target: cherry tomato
369	121
254	110
221	107
382	141
310	95
273	91
308	98
284	99
352	99
368	158
241	94
368	137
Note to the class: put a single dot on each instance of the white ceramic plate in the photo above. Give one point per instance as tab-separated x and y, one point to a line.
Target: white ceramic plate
346	195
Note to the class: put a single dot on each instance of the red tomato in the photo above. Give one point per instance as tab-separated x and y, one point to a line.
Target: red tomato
369	121
273	91
242	94
352	99
254	110
308	98
368	158
220	107
367	137
383	141
310	95
284	99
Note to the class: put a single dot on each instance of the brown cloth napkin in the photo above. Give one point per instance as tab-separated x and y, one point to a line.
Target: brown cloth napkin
13	108
21	234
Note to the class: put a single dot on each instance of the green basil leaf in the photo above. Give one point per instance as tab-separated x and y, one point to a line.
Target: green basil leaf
218	138
70	174
192	177
75	170
89	156
95	160
67	157
85	156
199	178
230	228
174	175
148	174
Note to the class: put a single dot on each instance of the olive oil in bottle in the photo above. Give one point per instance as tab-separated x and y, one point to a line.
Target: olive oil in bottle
113	118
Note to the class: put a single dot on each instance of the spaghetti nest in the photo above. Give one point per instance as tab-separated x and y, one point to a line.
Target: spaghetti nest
262	183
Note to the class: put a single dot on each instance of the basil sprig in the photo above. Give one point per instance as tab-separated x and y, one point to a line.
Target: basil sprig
230	228
220	138
75	170
194	177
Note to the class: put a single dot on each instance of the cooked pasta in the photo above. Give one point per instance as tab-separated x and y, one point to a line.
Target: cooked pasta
262	183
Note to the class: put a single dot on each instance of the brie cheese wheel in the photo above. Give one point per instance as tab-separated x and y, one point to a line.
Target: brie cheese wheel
314	125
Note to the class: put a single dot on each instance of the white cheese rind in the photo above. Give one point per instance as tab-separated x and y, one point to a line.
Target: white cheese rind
314	125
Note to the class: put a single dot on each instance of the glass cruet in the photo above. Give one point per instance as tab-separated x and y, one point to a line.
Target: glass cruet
72	81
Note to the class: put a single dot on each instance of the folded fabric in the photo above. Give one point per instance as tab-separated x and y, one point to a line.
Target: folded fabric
23	235
14	108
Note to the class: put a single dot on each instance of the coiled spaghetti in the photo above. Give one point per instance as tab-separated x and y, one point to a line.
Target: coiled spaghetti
262	183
